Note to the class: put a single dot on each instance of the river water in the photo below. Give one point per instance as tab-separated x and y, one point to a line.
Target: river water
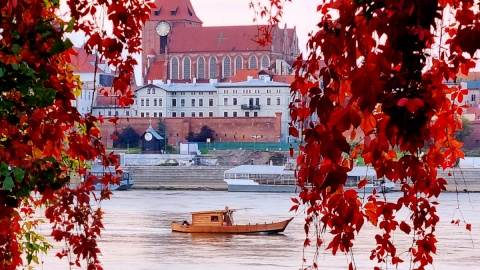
138	234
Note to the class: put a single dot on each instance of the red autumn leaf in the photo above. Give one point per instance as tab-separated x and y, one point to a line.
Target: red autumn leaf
405	227
468	227
362	183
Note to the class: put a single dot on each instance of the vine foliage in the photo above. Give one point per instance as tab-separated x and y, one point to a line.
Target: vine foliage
44	141
373	85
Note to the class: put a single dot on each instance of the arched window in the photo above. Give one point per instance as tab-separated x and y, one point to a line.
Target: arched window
186	68
238	63
226	67
174	68
201	68
265	62
252	62
212	68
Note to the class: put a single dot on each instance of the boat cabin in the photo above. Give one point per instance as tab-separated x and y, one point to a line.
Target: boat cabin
213	218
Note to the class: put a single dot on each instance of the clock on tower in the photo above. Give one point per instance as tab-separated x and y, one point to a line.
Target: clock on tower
162	29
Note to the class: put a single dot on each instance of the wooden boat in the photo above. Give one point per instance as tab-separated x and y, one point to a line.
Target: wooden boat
221	221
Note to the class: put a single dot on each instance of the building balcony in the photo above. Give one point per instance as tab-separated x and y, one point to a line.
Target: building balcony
250	107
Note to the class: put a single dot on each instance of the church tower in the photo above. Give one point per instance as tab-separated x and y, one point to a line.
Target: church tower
168	15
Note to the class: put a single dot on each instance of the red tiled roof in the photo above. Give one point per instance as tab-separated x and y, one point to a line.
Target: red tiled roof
82	62
284	78
214	39
174	10
472	76
155	72
242	75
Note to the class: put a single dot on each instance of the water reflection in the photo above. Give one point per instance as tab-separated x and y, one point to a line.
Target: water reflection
138	234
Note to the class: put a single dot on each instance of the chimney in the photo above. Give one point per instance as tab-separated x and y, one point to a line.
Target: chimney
169	82
249	78
194	81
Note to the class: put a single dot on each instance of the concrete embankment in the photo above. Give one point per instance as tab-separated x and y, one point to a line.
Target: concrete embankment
178	177
211	178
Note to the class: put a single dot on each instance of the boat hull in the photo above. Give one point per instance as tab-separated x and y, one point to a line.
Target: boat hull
275	227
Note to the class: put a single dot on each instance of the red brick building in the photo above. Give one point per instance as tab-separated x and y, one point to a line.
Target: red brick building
178	48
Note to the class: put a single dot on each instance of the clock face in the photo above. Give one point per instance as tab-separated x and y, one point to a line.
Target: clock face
148	136
163	28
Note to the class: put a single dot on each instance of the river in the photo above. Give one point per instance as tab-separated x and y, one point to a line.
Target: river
137	234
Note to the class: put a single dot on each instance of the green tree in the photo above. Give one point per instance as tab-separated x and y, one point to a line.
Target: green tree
128	138
162	131
463	133
205	133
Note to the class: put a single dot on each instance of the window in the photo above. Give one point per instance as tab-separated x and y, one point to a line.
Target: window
174	69
147	114
212	68
255	114
148	90
141	114
109	113
247	114
238	63
154	102
225	101
174	102
257	101
269	101
474	97
186	68
201	68
174	114
182	102
226	67
193	102
127	113
200	102
147	102
210	114
214	218
252	62
182	114
200	114
160	114
234	114
142	102
265	62
225	114
160	102
154	114
278	101
210	102
234	101
153	90
193	114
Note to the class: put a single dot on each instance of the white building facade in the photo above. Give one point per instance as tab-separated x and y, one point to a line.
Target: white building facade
251	98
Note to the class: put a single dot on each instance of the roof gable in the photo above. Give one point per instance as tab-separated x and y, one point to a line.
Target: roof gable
174	10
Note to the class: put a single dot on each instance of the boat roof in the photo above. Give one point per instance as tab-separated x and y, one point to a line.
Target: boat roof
270	169
210	212
259	169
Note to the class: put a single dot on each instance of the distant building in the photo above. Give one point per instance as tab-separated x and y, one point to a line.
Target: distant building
178	48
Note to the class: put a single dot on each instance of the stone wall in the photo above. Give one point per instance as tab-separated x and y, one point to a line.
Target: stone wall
227	129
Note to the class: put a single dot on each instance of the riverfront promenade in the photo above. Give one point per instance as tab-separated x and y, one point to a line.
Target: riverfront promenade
211	178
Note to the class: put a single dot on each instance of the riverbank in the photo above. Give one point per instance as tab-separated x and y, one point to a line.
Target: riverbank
211	178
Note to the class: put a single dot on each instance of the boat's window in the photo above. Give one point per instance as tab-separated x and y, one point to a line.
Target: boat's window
213	218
